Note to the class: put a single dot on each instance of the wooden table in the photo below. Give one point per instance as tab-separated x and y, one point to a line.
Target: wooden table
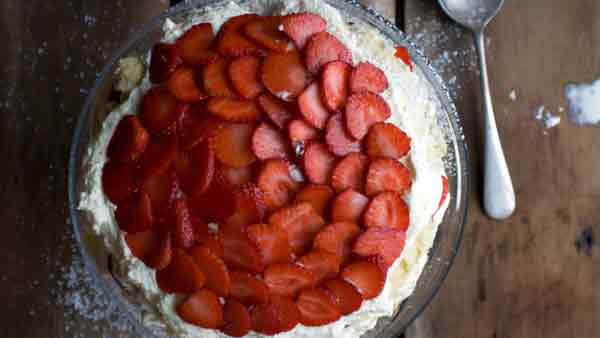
524	277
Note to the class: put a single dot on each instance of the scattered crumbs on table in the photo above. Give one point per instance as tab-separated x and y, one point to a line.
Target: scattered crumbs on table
512	95
584	102
547	118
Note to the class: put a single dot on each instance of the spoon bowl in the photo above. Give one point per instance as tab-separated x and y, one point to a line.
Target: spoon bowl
473	14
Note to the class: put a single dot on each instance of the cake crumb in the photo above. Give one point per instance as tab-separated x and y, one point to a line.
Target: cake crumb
584	102
546	117
512	95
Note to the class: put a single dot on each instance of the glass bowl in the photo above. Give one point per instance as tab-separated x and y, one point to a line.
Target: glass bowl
448	236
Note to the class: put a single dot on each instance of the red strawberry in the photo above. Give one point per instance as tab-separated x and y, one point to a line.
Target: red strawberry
249	205
367	77
402	54
236	318
299	132
387	175
318	163
213	267
160	110
339	141
323	264
388	209
239	252
387	140
244	73
233	145
198	125
183	231
215	204
202	233
150	247
212	243
337	238
285	75
237	177
335	83
203	309
183	85
268	143
248	289
265	32
366	277
182	275
323	48
288	279
318	196
232	43
119	181
345	295
280	112
162	190
312	107
444	191
196	168
163	62
271	241
300	222
350	172
386	243
277	184
280	315
193	45
317	307
129	140
348	206
363	110
301	26
135	214
158	157
215	79
234	110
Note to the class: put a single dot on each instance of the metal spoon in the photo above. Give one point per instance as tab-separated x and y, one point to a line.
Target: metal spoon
498	192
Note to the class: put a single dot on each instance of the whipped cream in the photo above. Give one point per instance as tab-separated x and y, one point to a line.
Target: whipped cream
414	110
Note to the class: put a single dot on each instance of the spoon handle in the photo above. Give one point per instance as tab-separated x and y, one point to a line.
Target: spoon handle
498	192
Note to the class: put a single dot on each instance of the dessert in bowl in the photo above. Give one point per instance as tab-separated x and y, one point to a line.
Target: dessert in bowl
276	170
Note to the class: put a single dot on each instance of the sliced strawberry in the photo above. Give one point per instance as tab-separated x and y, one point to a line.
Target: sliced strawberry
150	247
212	243
367	77
201	232
269	143
198	125
244	73
233	145
301	26
236	318
239	252
160	110
129	140
301	223
402	54
162	190
345	295
195	168
318	163
161	257
387	175
287	312
216	80
277	184
248	289
119	180
183	85
183	231
279	111
271	241
318	195
265	32
312	107
203	309
299	132
386	243
444	191
363	110
388	209
366	277
317	307
237	177
232	43
323	264
135	214
335	84
348	206
215	270
288	279
323	48
215	204
182	275
234	110
284	75
350	173
163	62
193	46
387	140
158	157
339	141
249	205
337	238
279	315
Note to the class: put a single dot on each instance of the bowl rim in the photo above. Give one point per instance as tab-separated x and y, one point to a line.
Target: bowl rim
372	17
